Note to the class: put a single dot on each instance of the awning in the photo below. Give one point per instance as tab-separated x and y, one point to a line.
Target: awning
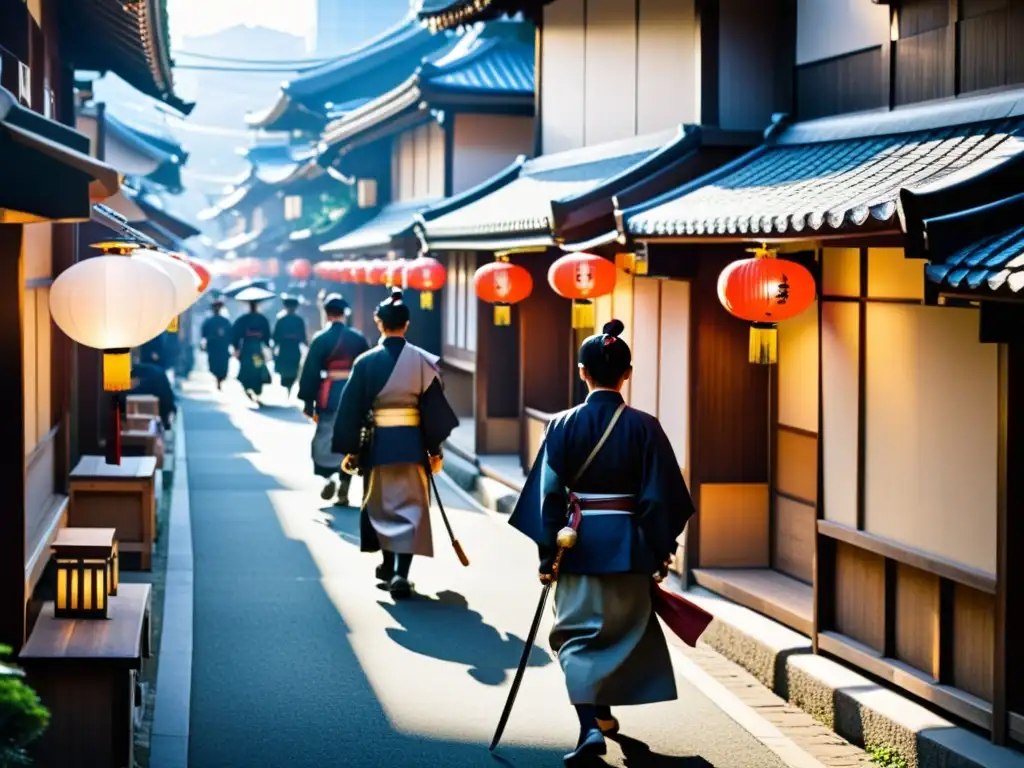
836	176
568	197
155	212
487	68
131	39
439	15
47	170
391	229
240	240
226	203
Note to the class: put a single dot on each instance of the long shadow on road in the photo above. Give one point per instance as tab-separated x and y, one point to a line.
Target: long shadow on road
275	680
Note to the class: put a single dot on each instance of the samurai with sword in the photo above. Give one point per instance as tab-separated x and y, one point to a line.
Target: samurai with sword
392	420
605	502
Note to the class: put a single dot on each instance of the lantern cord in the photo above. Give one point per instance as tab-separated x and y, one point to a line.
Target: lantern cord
764	343
114	430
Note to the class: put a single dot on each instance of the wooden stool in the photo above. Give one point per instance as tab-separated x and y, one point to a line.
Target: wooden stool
84	671
139	405
120	496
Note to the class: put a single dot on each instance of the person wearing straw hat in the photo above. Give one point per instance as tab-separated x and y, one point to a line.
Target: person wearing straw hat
216	341
249	336
289	338
611	472
327	367
391	423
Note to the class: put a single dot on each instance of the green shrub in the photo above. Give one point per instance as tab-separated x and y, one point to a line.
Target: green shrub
887	757
23	718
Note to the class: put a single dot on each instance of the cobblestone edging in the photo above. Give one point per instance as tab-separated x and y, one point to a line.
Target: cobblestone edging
827	693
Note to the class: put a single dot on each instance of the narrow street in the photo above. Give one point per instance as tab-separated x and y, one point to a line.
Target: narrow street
300	661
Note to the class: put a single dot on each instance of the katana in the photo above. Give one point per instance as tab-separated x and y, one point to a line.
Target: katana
566	540
444	517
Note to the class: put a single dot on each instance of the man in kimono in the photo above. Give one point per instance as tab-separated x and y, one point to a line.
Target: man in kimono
289	338
216	341
616	466
149	379
249	336
324	374
395	398
154	352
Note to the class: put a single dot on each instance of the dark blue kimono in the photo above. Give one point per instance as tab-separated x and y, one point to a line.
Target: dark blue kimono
217	342
607	637
395	378
148	379
324	375
250	334
153	352
289	336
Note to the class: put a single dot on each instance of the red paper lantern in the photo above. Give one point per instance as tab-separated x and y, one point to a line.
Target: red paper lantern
271	268
300	269
322	270
353	272
395	273
764	291
426	275
582	277
376	272
201	270
502	284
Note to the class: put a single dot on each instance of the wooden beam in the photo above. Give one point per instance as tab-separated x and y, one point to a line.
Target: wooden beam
824	582
1008	667
862	391
12	453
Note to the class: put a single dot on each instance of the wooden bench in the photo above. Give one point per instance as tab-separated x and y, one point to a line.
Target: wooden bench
143	436
142	405
85	671
120	496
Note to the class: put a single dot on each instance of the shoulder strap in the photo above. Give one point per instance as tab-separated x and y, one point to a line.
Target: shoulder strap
600	443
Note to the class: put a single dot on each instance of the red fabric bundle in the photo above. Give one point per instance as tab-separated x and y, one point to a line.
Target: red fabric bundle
686	620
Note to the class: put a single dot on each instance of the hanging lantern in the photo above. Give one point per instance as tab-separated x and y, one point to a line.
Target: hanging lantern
203	272
376	272
321	268
395	275
502	284
185	279
112	303
763	291
582	277
300	269
426	275
270	268
354	272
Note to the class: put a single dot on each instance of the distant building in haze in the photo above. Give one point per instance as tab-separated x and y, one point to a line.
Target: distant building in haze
341	25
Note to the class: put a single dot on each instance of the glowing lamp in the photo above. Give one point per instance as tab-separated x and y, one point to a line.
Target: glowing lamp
185	279
394	276
376	272
271	268
426	275
582	277
86	560
300	269
502	284
203	272
764	291
354	272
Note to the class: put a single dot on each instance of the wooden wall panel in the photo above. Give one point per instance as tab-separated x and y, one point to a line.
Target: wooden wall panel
546	368
622	309
646	344
746	92
562	73
798	371
37	245
892	276
840	271
734	525
667	62
794	526
44	364
973	641
29	359
610	60
840	350
917	619
849	83
920	361
436	160
674	367
828	29
421	162
485	144
860	595
797	465
924	67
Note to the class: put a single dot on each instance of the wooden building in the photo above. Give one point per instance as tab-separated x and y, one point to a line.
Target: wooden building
870	523
459	118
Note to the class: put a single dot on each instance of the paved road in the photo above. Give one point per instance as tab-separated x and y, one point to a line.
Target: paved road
300	661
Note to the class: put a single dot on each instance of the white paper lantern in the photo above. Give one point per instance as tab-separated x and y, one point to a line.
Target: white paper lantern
113	302
185	279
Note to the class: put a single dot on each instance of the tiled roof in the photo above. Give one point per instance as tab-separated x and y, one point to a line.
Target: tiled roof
365	72
394	222
168	155
993	263
231	200
836	175
239	241
519	201
491	64
131	39
439	15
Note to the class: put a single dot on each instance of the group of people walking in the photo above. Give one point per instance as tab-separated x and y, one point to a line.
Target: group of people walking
605	500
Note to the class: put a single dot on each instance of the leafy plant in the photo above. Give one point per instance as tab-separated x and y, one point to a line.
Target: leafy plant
887	757
23	718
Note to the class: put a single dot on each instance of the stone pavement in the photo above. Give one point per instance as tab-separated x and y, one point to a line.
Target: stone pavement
299	660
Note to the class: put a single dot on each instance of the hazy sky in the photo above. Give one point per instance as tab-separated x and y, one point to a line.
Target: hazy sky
203	17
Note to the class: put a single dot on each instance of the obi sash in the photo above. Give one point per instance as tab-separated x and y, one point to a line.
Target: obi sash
338	369
396	417
591	504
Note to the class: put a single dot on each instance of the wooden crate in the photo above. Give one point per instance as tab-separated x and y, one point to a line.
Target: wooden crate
120	496
84	671
148	405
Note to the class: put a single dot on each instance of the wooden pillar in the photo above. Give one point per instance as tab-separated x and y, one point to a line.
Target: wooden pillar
497	378
12	452
1009	666
545	327
91	406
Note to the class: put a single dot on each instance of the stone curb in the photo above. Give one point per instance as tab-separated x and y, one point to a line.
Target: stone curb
856	708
